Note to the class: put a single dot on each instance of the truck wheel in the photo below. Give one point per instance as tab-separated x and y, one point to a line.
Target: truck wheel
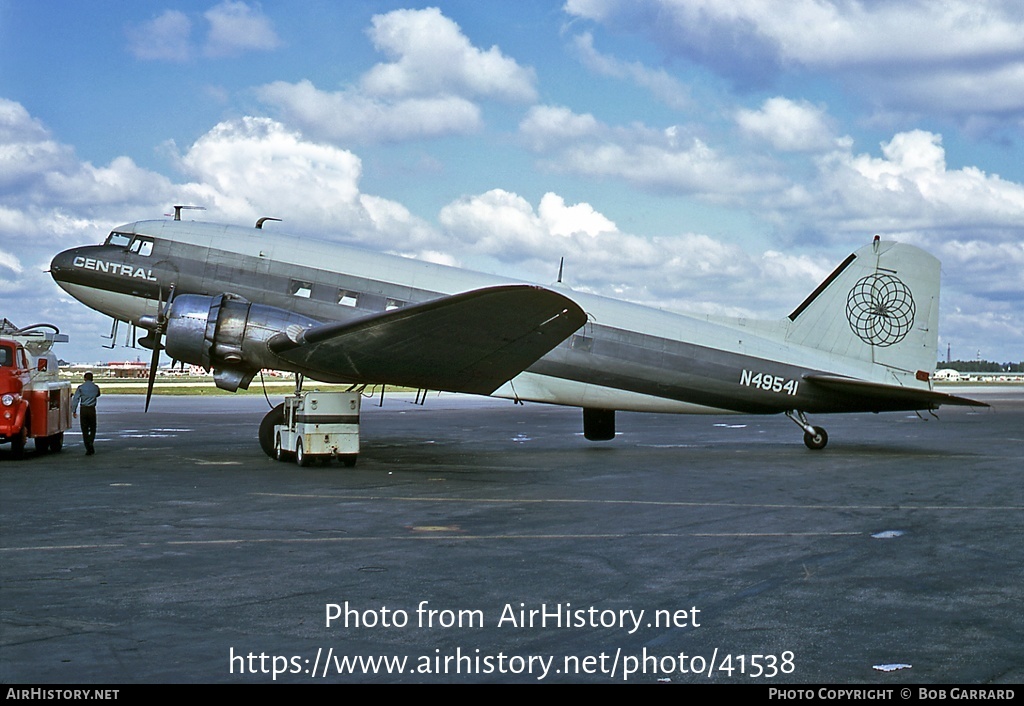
57	442
349	461
18	444
273	418
300	456
279	452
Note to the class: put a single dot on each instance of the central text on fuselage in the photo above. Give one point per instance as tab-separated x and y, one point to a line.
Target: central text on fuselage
113	268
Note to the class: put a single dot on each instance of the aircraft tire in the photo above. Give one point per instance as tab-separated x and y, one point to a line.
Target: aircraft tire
816	441
267	432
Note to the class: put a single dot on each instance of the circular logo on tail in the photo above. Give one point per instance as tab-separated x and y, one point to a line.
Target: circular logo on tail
880	309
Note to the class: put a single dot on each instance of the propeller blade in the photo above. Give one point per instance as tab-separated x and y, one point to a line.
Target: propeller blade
152	372
158	333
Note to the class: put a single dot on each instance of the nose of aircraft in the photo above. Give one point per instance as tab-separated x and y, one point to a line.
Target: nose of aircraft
61	265
73	266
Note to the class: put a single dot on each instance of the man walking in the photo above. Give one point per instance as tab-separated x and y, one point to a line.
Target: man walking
87	394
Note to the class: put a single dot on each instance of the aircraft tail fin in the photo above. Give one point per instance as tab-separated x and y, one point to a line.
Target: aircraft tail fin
881	305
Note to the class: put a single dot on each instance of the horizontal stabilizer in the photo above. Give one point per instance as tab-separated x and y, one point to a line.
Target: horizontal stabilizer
890	397
469	342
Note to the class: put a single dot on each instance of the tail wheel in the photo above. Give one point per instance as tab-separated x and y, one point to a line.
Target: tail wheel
817	440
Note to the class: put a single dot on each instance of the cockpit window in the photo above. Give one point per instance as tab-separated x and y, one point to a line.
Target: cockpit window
142	246
120	239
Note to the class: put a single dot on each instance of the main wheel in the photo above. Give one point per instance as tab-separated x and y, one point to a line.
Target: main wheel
267	431
817	440
300	456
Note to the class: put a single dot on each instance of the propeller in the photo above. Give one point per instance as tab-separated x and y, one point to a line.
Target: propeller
156	326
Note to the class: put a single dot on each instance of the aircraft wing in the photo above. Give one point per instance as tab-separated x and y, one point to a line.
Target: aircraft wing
469	342
890	397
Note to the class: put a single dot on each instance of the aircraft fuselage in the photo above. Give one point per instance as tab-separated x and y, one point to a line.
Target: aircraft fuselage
626	357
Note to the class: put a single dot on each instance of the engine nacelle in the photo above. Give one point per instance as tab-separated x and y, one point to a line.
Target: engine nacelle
228	334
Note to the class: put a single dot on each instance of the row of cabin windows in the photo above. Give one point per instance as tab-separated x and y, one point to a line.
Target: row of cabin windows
345	297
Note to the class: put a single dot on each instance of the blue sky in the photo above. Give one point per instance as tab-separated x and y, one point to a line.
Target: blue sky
690	154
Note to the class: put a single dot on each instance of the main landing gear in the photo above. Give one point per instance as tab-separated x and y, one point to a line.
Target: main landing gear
814	437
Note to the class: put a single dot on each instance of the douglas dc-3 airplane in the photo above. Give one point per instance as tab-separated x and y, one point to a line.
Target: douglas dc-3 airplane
237	300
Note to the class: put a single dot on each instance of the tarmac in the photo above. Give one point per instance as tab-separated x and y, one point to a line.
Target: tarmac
479	541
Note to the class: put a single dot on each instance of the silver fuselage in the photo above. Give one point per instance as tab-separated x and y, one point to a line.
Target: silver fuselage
627	357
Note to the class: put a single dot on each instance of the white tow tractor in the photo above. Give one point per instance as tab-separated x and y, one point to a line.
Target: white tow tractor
319	425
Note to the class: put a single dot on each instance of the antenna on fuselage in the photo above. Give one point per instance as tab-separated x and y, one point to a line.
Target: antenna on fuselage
260	222
177	211
561	262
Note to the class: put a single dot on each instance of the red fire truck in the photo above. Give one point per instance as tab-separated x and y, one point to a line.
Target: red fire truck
34	402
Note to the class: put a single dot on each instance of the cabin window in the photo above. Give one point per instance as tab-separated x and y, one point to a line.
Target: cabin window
6	357
119	239
348	298
299	288
393	304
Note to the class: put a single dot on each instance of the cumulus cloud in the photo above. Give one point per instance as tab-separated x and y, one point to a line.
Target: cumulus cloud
547	126
232	28
351	116
255	167
958	56
27	151
429	90
166	37
910	188
789	126
668	160
432	56
236	28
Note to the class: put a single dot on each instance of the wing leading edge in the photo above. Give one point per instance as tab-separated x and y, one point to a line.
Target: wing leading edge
890	397
469	342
